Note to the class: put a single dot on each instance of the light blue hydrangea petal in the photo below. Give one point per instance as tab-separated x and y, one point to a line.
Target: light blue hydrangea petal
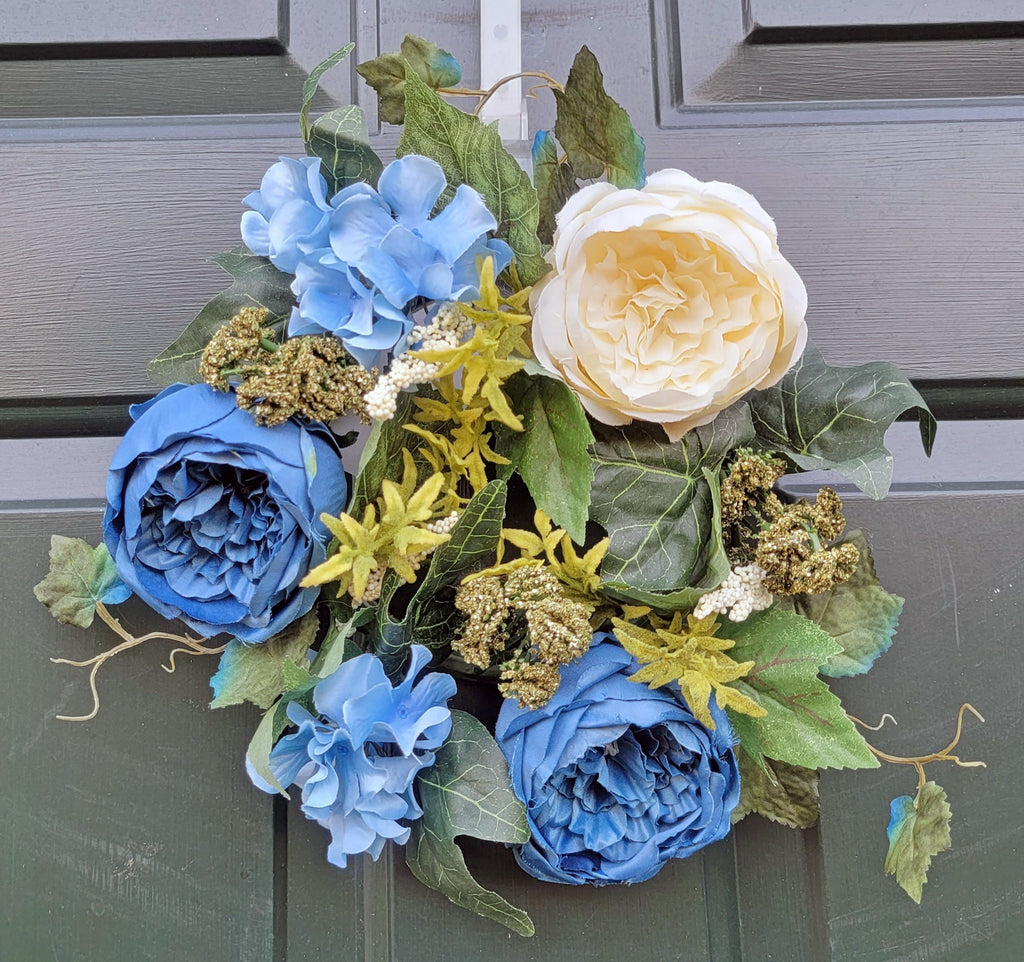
411	187
456	228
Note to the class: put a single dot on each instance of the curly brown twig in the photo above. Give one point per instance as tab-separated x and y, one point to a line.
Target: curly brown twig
485	95
192	646
919	761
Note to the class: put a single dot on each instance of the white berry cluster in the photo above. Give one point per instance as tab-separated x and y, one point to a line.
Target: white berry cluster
447	329
741	594
441	526
374	583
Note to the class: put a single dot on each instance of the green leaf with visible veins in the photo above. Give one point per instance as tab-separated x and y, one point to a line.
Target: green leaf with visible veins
470	152
859	613
257	283
551	450
825	417
80	577
258	673
311	82
594	130
467	791
918	829
555	181
805	724
342	142
657	501
386	74
787	794
431	617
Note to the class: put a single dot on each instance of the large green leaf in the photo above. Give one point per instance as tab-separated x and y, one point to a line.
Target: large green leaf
805	724
342	142
918	829
311	82
657	500
786	794
431	617
386	74
471	153
551	450
467	791
257	283
555	181
594	130
826	417
859	613
256	673
80	577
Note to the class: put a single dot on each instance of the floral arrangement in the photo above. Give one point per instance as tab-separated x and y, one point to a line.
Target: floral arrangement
582	392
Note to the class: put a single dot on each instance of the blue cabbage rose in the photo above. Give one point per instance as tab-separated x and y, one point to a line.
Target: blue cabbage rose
289	216
213	519
616	778
386	251
357	758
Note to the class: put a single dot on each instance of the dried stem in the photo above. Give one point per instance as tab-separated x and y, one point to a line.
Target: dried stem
485	95
191	646
919	761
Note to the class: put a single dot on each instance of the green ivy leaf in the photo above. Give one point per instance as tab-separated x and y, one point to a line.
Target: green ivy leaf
657	501
80	577
341	140
787	794
859	614
386	74
918	829
467	791
431	617
555	181
594	130
825	417
311	82
470	152
805	724
551	450
258	673
257	283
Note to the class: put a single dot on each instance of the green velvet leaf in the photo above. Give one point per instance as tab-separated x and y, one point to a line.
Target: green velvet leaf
594	130
656	501
551	452
467	791
257	283
786	794
805	724
825	417
257	673
267	731
342	142
555	181
471	153
311	82
918	829
386	74
431	617
80	577
859	614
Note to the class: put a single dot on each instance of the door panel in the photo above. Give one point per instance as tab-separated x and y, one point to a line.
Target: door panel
887	146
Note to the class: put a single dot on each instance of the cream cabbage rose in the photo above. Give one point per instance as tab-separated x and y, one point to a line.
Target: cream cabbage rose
667	304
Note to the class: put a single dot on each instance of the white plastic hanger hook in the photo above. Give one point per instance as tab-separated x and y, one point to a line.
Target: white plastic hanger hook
501	54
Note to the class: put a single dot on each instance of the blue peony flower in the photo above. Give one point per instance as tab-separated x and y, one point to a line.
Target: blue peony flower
289	216
356	760
616	778
214	519
386	251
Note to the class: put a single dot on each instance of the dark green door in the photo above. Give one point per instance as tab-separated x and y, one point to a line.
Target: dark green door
887	142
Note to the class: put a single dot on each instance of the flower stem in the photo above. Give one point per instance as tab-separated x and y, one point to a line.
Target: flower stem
486	95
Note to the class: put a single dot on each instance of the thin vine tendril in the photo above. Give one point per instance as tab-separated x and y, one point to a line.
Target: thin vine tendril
190	646
485	95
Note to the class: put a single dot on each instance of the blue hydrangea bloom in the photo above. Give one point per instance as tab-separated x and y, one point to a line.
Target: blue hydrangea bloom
386	251
356	760
289	216
616	778
213	518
